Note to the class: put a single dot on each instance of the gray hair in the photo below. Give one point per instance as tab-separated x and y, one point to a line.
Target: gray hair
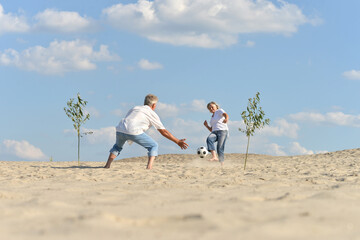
150	99
208	106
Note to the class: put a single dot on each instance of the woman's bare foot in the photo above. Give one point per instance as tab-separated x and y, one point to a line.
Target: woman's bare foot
214	160
213	156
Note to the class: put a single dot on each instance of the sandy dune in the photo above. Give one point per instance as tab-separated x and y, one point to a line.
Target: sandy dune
184	197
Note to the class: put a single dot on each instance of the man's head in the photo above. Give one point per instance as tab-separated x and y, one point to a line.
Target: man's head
150	100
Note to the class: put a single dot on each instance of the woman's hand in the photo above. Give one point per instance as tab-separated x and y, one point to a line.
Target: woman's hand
206	124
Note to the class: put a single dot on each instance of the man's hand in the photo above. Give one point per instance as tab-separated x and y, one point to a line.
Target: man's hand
182	144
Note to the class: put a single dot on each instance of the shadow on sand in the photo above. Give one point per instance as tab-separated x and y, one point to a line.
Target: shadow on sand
78	167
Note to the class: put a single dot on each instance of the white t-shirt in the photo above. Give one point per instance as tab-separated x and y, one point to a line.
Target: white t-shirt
216	121
138	120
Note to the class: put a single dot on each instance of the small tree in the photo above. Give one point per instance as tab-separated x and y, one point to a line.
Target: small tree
75	113
254	119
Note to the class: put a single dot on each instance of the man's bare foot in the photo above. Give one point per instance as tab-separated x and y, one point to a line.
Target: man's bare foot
150	162
110	160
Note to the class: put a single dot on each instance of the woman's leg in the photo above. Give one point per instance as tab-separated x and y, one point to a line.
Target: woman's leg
222	136
211	139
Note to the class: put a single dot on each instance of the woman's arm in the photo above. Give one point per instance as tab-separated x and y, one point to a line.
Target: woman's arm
226	116
207	126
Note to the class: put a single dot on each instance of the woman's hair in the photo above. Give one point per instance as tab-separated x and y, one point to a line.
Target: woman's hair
150	99
208	106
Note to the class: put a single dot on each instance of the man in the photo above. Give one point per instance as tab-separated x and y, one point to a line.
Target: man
132	128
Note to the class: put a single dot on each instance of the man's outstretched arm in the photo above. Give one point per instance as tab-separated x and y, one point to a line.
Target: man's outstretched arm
180	142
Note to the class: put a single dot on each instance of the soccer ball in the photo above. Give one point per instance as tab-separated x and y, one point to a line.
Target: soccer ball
202	152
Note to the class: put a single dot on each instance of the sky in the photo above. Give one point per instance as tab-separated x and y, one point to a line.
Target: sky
302	56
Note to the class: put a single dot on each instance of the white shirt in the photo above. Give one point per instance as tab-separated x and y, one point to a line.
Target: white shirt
216	121
138	120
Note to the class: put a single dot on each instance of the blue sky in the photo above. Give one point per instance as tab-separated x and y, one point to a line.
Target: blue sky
302	56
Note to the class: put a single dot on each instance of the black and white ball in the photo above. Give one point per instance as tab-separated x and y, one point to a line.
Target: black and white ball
202	152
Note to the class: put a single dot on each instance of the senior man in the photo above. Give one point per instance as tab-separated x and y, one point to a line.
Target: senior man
133	126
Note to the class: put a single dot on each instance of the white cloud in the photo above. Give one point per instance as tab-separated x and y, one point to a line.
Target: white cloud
336	118
296	148
193	131
94	136
166	110
61	21
102	135
172	110
58	58
146	65
281	128
308	116
321	151
293	149
23	149
275	149
208	24
352	75
12	23
92	111
196	105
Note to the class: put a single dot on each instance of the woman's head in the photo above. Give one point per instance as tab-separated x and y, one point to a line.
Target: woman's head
212	107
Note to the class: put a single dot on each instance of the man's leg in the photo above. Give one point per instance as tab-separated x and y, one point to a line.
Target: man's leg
150	162
147	142
116	149
110	160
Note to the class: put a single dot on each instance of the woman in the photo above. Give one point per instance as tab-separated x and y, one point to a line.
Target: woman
219	131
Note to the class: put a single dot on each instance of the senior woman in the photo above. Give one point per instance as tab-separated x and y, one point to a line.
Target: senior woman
219	131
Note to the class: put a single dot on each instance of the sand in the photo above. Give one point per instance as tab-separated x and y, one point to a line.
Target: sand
183	197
